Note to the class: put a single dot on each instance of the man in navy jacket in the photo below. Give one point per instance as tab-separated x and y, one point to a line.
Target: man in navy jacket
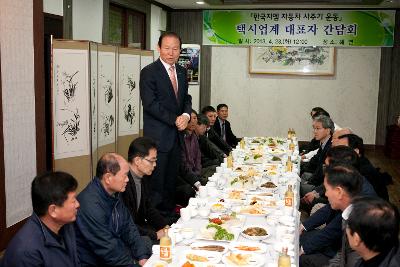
48	238
105	232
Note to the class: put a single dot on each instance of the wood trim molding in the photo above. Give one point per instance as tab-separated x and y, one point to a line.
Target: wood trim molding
40	101
2	173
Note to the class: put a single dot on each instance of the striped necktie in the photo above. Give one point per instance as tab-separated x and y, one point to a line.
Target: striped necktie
173	80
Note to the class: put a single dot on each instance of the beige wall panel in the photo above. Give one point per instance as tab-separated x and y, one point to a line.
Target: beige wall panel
79	167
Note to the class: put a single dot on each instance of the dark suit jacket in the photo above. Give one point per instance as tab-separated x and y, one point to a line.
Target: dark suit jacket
231	139
217	140
319	160
147	218
210	153
160	106
330	235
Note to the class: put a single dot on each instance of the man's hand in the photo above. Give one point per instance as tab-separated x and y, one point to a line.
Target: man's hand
181	122
142	262
160	233
309	197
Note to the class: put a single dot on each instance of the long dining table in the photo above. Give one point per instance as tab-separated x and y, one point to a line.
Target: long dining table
240	217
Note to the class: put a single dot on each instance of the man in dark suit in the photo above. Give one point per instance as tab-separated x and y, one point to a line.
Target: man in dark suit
342	183
211	114
142	158
372	231
166	112
223	127
323	128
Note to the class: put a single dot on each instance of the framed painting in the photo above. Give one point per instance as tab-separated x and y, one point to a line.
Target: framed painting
295	60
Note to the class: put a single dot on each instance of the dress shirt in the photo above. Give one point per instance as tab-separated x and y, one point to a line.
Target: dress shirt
167	66
346	212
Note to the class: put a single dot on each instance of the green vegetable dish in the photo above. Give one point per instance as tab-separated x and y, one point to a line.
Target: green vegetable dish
222	233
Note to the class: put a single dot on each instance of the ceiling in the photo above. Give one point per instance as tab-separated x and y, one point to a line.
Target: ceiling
286	4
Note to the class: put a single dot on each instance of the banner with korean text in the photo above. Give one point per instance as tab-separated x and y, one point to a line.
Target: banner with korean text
299	27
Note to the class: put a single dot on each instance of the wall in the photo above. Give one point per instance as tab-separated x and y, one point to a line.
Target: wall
87	20
158	23
54	7
188	25
261	104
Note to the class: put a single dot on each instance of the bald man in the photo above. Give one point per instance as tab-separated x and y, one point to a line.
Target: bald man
105	232
336	141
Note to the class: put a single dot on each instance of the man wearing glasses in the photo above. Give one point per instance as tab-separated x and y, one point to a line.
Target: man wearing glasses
142	158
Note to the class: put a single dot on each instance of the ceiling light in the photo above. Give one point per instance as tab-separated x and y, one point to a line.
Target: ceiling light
200	3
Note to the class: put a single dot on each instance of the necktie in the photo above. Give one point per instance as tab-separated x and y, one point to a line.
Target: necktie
223	131
173	79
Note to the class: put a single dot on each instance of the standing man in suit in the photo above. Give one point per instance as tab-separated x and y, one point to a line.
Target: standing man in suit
166	113
223	127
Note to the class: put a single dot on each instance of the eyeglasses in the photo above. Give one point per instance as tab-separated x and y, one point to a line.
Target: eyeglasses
317	129
150	161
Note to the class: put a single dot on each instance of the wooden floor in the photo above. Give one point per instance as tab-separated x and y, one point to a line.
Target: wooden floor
379	160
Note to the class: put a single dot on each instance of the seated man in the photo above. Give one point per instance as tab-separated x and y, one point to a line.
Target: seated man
342	183
211	155
366	168
356	159
332	232
223	127
323	129
48	237
142	158
211	114
310	149
373	232
105	232
192	153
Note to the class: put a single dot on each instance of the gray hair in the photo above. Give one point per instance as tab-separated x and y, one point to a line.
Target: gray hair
326	122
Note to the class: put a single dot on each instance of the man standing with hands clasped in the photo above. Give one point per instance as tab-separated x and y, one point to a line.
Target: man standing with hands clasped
166	113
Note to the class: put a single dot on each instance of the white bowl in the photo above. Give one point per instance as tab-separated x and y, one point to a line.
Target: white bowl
187	233
203	212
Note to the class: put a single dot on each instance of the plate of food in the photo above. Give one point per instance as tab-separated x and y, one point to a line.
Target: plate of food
235	195
202	256
255	247
272	173
268	185
227	220
242	182
199	264
262	202
215	232
255	233
276	159
254	210
218	207
243	259
277	152
270	167
209	246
